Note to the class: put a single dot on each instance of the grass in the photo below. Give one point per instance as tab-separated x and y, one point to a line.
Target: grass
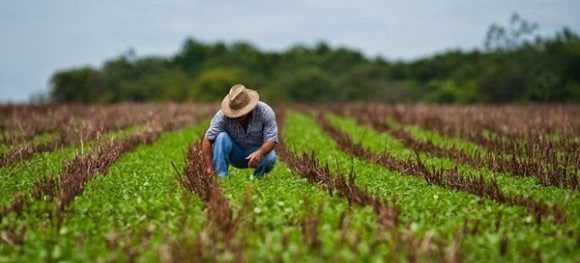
526	186
431	208
133	195
138	211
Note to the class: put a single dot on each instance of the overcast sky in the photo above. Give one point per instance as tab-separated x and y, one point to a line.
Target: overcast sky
39	37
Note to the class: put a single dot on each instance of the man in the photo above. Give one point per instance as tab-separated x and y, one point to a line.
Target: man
243	133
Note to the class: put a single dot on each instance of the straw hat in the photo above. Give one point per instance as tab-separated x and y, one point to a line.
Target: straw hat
240	101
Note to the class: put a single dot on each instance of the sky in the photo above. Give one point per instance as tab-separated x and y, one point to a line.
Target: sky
39	37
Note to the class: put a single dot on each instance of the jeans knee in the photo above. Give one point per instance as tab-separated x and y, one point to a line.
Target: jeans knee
270	158
222	136
223	139
223	142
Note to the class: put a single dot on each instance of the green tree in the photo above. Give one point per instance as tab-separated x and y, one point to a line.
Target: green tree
213	84
78	85
509	37
364	83
310	85
191	56
162	85
511	67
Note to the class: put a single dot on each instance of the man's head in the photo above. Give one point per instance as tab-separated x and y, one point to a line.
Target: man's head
239	102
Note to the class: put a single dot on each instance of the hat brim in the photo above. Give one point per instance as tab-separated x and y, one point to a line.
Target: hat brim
231	113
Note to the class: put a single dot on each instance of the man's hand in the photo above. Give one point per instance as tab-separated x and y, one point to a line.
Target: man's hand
254	158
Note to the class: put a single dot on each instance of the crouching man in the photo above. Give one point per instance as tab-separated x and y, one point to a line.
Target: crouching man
243	133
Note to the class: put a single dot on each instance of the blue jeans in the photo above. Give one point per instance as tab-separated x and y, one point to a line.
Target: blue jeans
226	151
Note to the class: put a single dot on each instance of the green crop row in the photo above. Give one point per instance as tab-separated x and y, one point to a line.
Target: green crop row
281	204
139	211
527	186
22	175
138	197
431	208
42	138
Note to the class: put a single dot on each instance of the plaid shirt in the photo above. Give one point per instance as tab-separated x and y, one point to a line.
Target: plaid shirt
261	127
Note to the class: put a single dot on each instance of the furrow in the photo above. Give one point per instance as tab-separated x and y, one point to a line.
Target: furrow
451	178
548	173
308	167
224	225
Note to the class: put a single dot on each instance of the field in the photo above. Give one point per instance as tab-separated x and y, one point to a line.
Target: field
372	182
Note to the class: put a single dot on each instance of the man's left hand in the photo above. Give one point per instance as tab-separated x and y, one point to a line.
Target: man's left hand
254	158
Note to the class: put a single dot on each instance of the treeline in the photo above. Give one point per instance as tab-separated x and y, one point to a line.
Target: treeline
514	66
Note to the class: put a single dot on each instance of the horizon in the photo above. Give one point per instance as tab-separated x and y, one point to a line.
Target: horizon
104	30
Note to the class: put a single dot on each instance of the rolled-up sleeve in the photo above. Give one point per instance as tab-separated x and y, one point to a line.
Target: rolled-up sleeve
270	125
216	126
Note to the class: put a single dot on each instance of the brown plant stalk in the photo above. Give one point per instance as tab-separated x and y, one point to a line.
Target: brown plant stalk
451	178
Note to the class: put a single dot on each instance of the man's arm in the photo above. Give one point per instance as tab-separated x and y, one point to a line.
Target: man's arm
270	137
255	157
207	154
216	126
